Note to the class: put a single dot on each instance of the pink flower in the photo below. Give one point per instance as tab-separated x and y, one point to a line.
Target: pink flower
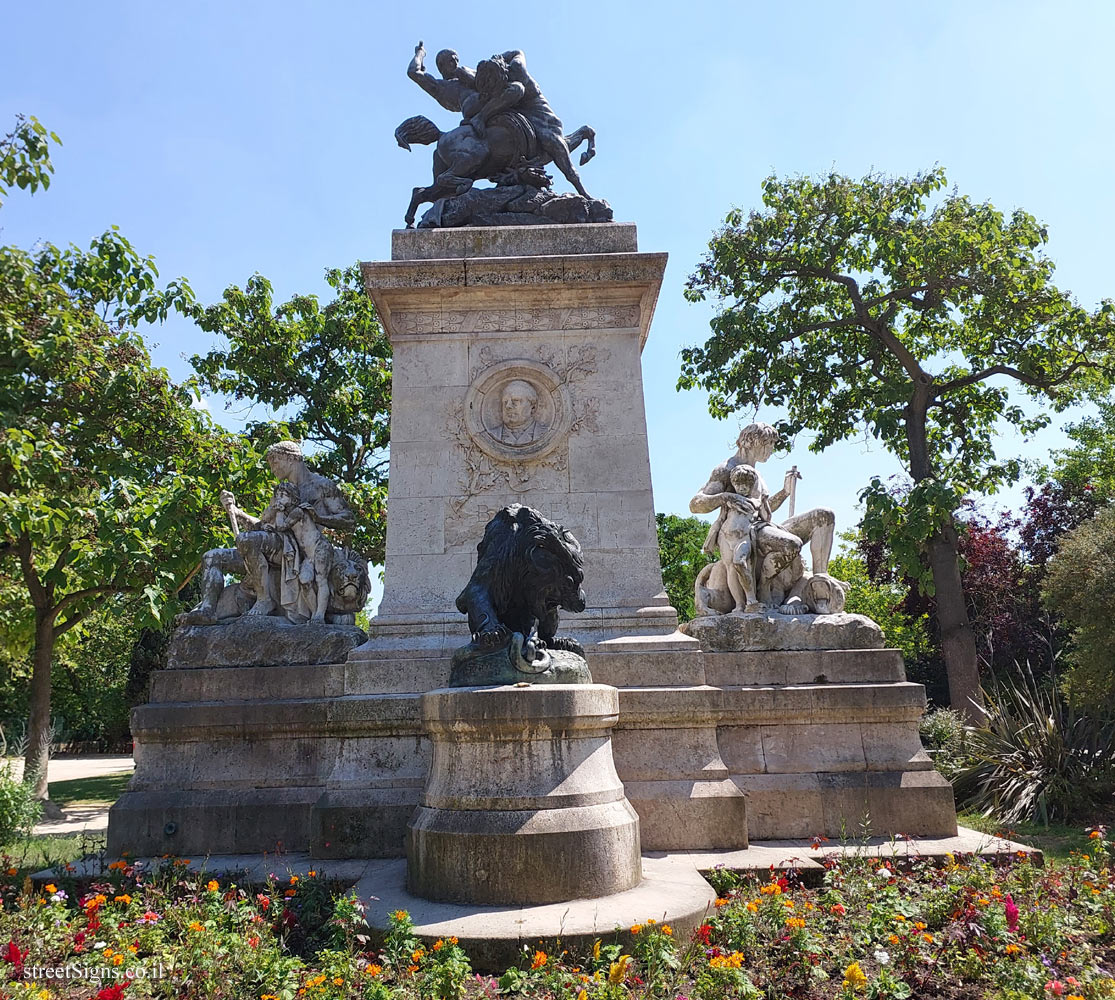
1056	987
1012	914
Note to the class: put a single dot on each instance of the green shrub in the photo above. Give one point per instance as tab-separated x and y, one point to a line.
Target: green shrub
943	732
1078	590
19	809
1037	757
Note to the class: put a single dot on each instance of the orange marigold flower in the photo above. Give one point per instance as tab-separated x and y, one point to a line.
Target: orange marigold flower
752	906
721	901
1095	835
540	959
338	981
795	923
371	969
213	885
418	954
928	938
901	919
667	930
15	871
311	873
294	880
454	940
919	926
651	921
290	893
893	939
117	866
771	889
195	926
1013	949
50	887
125	898
117	959
636	928
439	944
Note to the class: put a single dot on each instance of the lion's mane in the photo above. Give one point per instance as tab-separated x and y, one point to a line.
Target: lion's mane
527	568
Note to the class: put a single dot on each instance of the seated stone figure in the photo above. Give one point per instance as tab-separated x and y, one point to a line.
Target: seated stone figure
762	576
271	555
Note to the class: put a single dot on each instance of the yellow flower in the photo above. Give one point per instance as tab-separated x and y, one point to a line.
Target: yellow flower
596	950
651	921
721	901
667	930
195	926
854	978
213	885
311	873
771	889
618	971
117	959
732	961
752	906
540	959
583	995
125	899
1013	949
795	923
901	919
268	996
928	938
338	981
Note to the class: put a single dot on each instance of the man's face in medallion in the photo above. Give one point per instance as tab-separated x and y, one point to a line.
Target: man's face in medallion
517	404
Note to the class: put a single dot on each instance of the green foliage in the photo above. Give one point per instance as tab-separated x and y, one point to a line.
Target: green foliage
942	731
1090	461
859	306
679	548
25	156
1037	757
19	807
881	603
326	370
1078	589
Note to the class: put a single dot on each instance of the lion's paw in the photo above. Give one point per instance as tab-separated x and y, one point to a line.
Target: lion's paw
492	639
569	645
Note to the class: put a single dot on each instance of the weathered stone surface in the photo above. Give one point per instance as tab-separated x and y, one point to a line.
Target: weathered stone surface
772	631
495	667
516	241
522	803
253	641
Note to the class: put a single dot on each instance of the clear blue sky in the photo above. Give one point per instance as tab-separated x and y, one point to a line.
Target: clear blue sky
229	138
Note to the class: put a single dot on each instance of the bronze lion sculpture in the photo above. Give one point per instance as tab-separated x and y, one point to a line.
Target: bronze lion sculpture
527	568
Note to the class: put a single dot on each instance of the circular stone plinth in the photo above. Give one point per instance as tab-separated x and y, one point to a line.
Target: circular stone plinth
672	891
522	803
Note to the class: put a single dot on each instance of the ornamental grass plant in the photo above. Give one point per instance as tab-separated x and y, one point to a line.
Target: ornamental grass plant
875	928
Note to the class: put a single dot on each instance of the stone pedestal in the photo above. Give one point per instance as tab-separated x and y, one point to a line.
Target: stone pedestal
522	803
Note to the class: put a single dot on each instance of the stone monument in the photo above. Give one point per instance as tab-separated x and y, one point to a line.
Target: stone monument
517	381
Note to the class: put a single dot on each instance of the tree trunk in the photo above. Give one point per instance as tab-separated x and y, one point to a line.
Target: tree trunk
958	642
38	730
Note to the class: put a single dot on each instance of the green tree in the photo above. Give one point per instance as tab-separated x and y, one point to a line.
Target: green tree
25	157
108	473
326	370
1089	463
1078	589
882	603
859	307
679	548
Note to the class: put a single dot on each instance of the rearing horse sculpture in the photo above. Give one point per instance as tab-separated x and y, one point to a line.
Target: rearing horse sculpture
463	157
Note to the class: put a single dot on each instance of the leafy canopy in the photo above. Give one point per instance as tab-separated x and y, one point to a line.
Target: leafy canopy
325	369
680	540
25	157
108	474
885	306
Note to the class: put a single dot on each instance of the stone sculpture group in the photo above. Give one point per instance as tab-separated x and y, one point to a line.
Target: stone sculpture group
508	135
760	566
290	569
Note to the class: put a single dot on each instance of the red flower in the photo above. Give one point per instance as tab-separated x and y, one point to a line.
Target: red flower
112	992
1012	914
14	957
703	933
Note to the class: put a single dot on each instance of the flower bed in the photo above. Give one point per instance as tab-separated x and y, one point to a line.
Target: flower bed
967	929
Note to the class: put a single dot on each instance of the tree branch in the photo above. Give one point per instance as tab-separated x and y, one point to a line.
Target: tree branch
1030	380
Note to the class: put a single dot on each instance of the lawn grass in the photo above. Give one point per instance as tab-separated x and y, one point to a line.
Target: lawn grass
99	788
1054	841
33	854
